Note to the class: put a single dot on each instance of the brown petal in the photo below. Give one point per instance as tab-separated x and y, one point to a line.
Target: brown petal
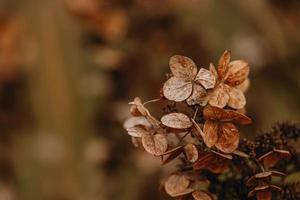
199	96
206	78
237	98
176	120
271	158
210	131
155	144
223	64
140	107
238	71
200	195
225	115
137	131
264	195
228	138
177	89
219	96
244	86
191	152
137	142
134	121
183	67
177	185
213	70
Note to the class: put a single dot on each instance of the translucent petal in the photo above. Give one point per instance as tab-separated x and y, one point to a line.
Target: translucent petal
177	185
191	152
134	121
210	131
183	67
223	64
199	96
225	115
206	78
219	96
155	144
237	99
238	71
244	86
176	120
229	138
137	131
200	195
177	89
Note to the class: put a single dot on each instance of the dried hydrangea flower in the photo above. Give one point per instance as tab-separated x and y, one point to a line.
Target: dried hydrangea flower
219	130
229	89
186	83
271	158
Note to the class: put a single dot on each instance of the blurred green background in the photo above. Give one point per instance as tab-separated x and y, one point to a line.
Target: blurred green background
68	69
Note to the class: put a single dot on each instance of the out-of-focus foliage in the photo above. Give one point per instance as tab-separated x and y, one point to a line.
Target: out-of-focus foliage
68	69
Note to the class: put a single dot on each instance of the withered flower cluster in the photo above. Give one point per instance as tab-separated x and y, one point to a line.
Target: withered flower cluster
201	111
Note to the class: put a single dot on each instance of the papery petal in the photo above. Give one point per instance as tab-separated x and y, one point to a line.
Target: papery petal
206	78
176	120
223	64
244	86
210	131
237	99
199	96
155	144
177	89
183	67
177	185
219	96
238	71
200	195
229	137
225	115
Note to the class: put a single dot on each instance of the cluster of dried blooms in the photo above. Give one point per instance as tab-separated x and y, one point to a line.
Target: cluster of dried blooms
200	112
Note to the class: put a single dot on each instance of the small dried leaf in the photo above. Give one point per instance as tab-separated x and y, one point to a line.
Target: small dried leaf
134	121
176	120
206	78
225	115
237	98
199	96
191	152
183	67
177	185
244	86
177	89
155	144
223	64
200	195
210	130
134	111
137	131
238	71
229	137
219	96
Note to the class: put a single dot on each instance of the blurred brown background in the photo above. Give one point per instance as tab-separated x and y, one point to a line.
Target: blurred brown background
68	69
